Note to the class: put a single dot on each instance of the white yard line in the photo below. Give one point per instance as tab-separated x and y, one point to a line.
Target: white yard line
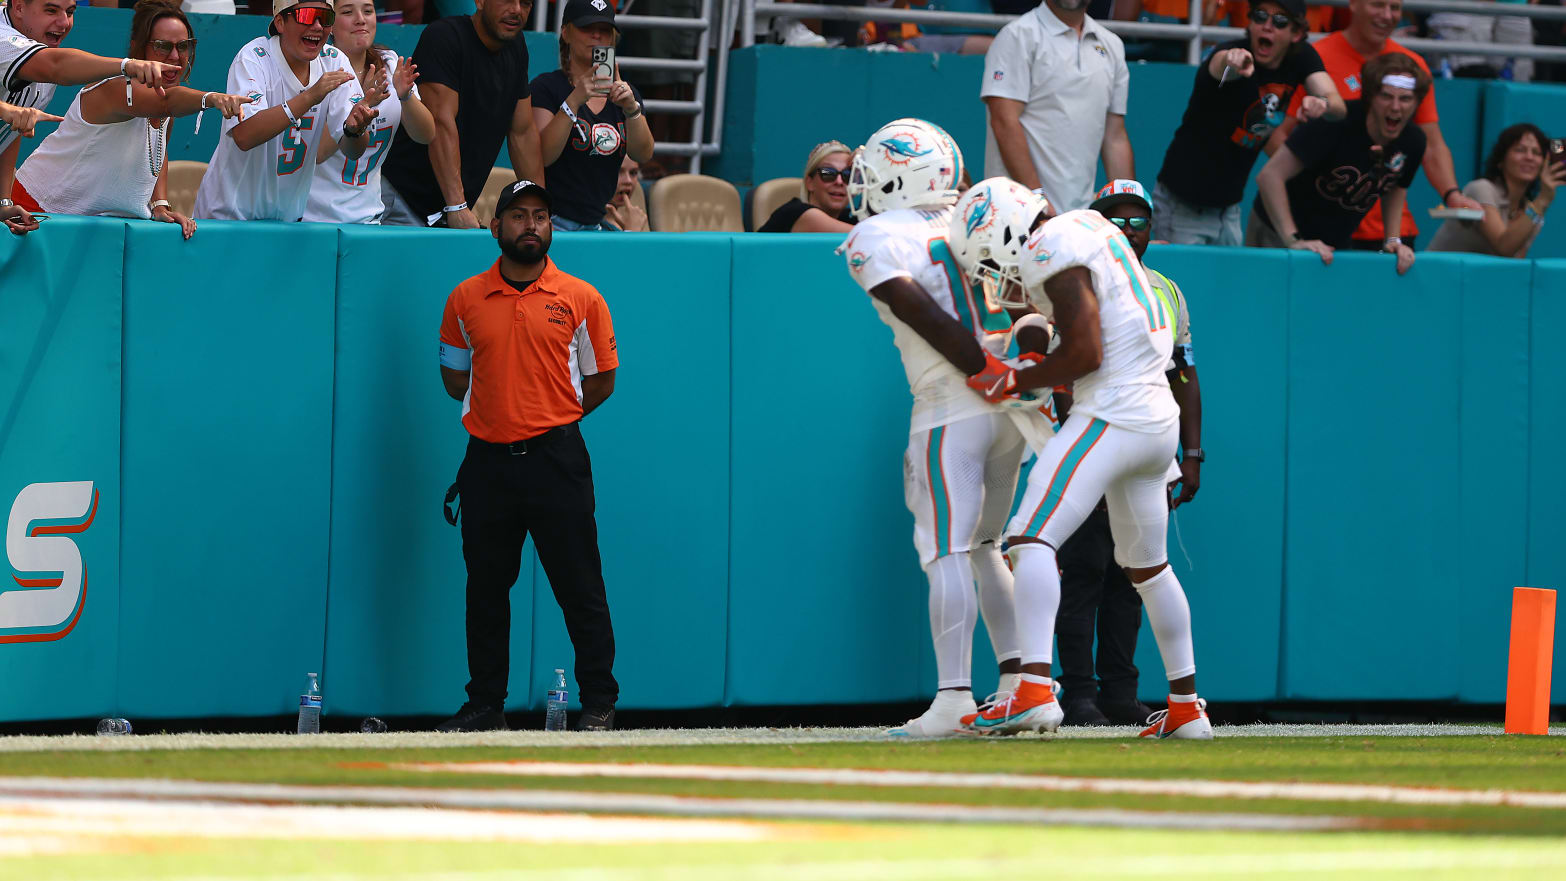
1345	792
659	737
20	789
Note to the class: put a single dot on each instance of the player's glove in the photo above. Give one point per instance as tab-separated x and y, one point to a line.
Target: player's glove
995	381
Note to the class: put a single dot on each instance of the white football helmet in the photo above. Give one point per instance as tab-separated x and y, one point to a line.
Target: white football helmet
907	163
986	234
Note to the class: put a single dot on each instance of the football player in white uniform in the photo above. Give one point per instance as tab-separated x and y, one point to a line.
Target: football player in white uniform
32	64
301	90
1117	444
963	455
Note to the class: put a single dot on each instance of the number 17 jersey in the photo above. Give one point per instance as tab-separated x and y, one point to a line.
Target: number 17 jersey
272	180
911	243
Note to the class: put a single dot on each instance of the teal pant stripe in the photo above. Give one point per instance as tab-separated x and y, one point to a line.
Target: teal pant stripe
1062	477
938	497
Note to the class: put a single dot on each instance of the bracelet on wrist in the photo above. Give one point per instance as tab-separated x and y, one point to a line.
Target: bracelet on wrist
293	121
453	209
161	203
1448	194
565	106
348	132
636	115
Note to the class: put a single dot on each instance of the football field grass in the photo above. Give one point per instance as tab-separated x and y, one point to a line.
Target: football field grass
827	806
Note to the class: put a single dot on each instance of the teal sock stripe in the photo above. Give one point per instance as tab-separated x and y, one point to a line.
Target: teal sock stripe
938	497
1068	467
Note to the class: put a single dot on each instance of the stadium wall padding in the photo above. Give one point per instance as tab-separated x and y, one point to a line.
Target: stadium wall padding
262	415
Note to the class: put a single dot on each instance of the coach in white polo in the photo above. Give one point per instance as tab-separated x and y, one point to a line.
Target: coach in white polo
1055	87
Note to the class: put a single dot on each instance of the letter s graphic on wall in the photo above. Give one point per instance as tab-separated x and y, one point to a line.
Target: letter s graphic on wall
50	577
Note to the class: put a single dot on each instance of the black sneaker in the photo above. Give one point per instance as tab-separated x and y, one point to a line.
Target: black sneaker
1124	711
1083	712
474	718
599	718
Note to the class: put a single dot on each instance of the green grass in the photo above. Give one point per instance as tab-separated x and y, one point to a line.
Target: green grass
1480	762
847	852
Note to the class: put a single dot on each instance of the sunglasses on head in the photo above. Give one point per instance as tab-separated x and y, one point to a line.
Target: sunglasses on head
1279	20
166	47
1136	223
309	15
829	174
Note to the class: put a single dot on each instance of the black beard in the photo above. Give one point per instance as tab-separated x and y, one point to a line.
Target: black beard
524	254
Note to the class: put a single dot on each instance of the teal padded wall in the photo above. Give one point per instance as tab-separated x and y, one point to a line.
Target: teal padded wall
262	410
60	422
227	420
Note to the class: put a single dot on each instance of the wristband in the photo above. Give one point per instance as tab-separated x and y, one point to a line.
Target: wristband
1448	194
161	203
636	115
293	121
453	209
124	62
570	114
1391	244
348	132
203	107
1195	454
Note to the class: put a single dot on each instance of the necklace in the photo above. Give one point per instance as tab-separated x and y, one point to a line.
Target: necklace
157	148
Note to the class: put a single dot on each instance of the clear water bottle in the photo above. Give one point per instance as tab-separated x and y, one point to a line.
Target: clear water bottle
310	706
555	704
113	727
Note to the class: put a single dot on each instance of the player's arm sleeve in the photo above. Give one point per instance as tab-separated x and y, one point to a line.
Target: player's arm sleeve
600	352
455	350
874	257
1007	71
248	76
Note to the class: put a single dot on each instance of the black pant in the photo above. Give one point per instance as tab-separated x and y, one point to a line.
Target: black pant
547	491
1094	590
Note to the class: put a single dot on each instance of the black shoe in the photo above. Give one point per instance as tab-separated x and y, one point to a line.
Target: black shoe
474	718
1084	713
1124	711
600	718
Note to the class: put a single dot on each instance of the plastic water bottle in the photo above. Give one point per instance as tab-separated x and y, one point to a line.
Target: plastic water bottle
310	706
1446	69
113	727
1508	70
555	704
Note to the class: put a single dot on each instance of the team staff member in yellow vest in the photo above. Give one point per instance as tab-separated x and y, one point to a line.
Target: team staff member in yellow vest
1094	592
529	351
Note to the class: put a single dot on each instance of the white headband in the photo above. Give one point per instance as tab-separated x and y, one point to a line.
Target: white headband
1399	81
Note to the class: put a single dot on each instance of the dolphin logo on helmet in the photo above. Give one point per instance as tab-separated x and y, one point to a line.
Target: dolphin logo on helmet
907	163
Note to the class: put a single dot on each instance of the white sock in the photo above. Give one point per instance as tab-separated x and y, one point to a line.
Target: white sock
1008	683
1037	581
953	698
1036	679
1170	616
1182	698
997	599
953	611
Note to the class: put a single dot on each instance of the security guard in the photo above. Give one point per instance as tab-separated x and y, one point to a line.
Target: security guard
1094	592
529	351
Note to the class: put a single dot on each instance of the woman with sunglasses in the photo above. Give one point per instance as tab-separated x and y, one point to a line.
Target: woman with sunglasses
302	91
1241	95
349	190
822	205
586	125
110	154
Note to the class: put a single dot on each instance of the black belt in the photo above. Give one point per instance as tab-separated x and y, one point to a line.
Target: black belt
521	447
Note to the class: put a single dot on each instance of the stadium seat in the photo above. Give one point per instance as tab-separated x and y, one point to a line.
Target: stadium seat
767	197
695	202
184	180
484	208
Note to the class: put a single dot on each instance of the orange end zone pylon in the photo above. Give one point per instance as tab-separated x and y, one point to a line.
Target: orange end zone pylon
1528	668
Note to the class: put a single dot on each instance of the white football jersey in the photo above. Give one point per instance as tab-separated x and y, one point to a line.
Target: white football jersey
272	181
911	243
1128	389
15	50
349	190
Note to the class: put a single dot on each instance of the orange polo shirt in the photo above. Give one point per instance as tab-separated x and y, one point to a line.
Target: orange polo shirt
1343	65
527	350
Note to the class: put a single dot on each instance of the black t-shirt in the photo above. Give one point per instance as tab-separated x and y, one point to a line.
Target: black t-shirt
488	86
783	219
582	180
1342	178
1210	158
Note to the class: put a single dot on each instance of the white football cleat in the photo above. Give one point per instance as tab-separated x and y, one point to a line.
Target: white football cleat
1182	721
942	719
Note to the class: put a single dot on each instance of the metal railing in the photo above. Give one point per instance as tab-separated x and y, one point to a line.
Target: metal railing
1193	32
715	16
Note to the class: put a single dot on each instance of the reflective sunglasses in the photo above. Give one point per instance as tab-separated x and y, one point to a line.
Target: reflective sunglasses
165	47
309	15
1279	20
829	174
1136	223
